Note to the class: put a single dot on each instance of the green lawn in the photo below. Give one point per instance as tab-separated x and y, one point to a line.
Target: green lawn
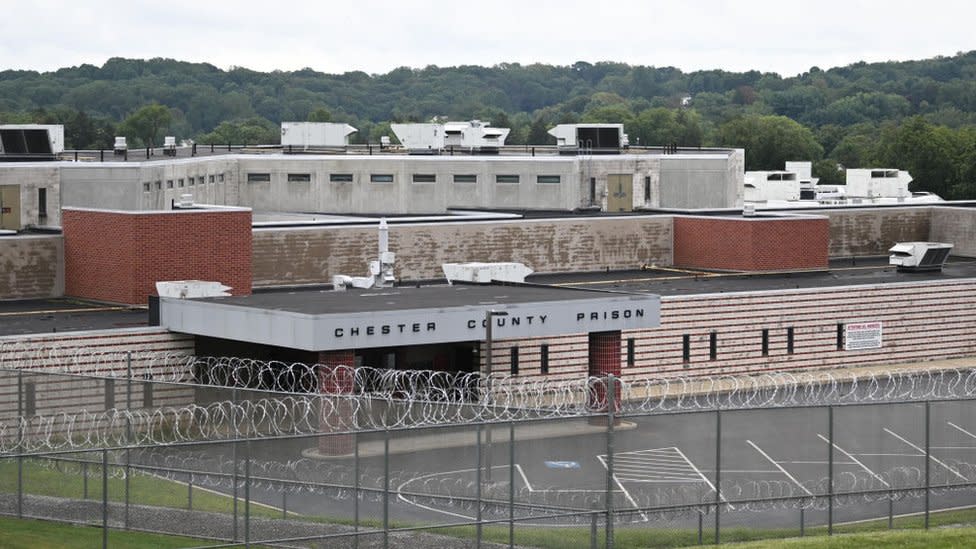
39	534
903	539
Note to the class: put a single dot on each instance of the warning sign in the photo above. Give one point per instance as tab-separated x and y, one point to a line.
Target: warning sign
862	335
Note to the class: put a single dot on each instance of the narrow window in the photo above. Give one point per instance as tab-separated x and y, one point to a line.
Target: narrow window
169	183
159	184
189	181
381	178
630	351
212	178
592	190
513	351
765	342
340	177
544	358
180	182
465	178
789	340
647	188
200	180
145	188
254	178
424	178
299	177
30	398
713	345
686	349
506	178
109	393
547	179
220	178
840	336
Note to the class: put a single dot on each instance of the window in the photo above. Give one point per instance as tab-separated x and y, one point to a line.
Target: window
146	187
169	183
713	345
840	336
506	179
258	177
109	393
647	188
42	200
686	349
630	351
340	177
592	190
465	178
212	178
299	178
190	181
424	178
765	342
180	182
544	358
200	180
513	353
547	179
220	177
159	184
789	340
381	178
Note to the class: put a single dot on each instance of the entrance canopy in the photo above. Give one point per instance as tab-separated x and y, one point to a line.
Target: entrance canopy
354	319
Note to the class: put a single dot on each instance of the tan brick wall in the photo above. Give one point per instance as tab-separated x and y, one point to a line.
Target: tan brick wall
956	226
119	256
31	267
310	256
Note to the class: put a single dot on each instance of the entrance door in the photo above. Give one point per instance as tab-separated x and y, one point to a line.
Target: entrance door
619	191
10	207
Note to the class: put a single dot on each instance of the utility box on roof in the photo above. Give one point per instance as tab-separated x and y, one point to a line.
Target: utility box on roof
315	134
919	256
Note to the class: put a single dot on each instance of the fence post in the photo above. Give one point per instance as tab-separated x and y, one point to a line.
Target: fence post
189	493
802	523
128	432
593	528
247	493
611	404
233	420
718	474
511	484
830	470
386	487
477	489
20	444
355	472
284	501
104	498
928	464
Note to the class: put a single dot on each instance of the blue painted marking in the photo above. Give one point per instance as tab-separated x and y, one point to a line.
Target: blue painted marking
562	465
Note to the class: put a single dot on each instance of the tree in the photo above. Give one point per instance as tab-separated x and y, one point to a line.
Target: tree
147	123
320	114
770	141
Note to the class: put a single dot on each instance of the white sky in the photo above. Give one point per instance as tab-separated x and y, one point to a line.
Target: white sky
782	36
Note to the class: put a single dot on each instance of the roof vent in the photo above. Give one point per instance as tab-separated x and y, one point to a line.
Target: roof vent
748	209
186	200
485	273
919	256
189	289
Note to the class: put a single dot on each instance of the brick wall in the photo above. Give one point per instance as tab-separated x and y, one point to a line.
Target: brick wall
751	244
31	266
921	321
313	255
119	256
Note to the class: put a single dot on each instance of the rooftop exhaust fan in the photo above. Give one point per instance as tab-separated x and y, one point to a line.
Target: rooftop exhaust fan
919	256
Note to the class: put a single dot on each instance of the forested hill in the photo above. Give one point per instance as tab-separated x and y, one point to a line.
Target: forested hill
859	115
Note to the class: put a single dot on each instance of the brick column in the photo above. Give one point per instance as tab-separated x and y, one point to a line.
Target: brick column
604	360
336	379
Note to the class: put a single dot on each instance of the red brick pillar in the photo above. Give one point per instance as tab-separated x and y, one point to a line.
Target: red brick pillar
336	380
604	360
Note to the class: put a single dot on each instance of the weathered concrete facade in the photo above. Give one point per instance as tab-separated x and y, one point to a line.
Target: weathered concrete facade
957	226
34	180
31	266
313	255
872	231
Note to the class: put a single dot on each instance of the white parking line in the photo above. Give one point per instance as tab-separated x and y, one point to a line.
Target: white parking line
965	432
855	460
922	450
622	488
778	466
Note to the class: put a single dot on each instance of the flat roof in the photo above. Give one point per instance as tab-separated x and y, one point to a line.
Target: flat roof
37	316
676	282
400	298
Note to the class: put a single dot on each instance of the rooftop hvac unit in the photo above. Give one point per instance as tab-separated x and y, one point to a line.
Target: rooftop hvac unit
485	273
120	146
189	289
919	256
169	145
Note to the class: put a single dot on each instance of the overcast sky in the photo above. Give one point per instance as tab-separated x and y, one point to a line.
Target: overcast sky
782	36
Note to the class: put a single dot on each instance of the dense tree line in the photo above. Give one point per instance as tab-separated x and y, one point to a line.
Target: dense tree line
916	115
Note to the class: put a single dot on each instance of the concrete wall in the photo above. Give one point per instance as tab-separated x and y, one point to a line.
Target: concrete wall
30	177
118	256
695	182
751	243
31	266
872	231
313	255
957	226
